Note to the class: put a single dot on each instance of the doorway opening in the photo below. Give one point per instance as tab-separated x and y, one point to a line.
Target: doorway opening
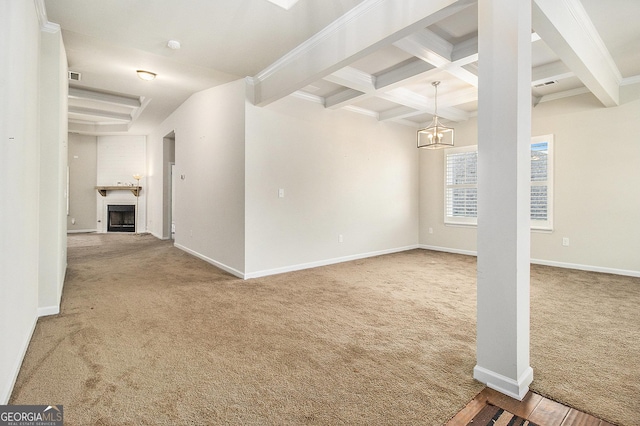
168	205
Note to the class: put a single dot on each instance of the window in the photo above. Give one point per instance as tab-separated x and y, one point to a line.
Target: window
541	182
461	184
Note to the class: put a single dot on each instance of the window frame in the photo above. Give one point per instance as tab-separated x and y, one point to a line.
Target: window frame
536	225
545	225
458	220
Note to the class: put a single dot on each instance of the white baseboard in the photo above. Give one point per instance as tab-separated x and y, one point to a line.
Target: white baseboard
449	250
48	310
565	265
222	266
81	231
514	388
586	267
301	266
6	391
298	267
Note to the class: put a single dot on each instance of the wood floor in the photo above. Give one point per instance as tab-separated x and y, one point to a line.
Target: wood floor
535	408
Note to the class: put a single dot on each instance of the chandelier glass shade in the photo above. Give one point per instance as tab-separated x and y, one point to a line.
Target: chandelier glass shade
435	135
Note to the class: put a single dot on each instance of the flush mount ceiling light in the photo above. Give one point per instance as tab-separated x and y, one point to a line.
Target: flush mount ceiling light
435	135
146	75
285	4
173	44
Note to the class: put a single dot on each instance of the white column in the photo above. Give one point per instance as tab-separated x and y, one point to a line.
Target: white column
504	134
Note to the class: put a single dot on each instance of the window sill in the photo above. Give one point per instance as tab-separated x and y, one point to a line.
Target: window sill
461	225
475	225
542	230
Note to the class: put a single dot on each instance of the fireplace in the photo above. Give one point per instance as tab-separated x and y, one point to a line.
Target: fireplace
121	218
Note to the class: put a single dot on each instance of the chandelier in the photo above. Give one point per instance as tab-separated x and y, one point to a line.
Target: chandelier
435	135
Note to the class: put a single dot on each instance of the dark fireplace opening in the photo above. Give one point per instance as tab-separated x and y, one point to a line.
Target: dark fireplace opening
121	218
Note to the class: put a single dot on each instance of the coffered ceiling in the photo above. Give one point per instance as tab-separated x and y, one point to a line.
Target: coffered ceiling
388	76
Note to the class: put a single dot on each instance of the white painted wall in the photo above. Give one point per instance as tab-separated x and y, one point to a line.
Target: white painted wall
209	154
342	174
82	183
154	180
596	177
53	171
118	159
19	195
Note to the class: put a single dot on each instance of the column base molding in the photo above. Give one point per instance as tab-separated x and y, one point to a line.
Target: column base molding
515	389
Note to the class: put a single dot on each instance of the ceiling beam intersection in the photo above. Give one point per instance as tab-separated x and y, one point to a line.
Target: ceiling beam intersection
565	26
368	26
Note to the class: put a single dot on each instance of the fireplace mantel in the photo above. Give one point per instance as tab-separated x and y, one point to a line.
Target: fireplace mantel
103	189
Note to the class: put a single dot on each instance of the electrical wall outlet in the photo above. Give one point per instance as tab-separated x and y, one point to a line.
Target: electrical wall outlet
340	238
565	241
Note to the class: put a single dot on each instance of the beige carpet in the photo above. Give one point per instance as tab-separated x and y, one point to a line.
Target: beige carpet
585	341
151	335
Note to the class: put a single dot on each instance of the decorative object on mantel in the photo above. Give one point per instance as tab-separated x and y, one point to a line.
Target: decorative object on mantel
137	177
103	189
435	135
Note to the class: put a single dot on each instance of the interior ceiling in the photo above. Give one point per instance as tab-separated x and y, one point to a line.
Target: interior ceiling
223	40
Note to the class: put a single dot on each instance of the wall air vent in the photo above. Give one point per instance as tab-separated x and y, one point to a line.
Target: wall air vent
75	76
546	83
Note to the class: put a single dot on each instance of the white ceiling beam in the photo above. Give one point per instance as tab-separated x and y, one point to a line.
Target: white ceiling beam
342	98
361	84
445	110
98	113
353	78
308	97
462	74
427	46
362	111
465	52
433	49
458	97
78	93
367	27
411	71
369	86
422	104
398	112
565	26
88	128
394	92
563	94
549	72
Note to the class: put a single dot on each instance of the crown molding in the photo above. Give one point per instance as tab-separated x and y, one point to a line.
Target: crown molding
362	111
45	25
308	97
630	80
